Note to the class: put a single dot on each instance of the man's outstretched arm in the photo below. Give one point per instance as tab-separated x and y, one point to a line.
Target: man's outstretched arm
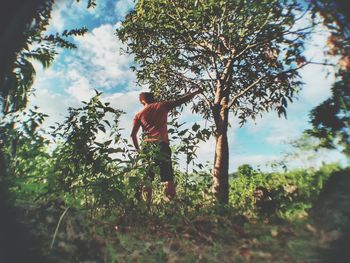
185	98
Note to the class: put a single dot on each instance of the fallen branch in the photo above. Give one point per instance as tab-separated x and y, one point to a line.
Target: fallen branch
57	227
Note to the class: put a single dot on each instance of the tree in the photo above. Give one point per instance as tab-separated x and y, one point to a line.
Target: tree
15	17
245	55
19	47
331	120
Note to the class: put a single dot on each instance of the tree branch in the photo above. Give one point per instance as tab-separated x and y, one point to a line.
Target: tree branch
194	84
207	70
235	98
304	13
321	63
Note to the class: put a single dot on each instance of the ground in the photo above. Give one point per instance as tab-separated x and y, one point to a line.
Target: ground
205	235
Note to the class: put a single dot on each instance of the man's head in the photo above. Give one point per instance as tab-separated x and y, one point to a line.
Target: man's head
146	98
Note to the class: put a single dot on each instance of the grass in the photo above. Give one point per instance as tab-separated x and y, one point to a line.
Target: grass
199	240
179	232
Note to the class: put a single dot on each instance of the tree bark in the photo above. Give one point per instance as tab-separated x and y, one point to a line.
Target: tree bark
221	159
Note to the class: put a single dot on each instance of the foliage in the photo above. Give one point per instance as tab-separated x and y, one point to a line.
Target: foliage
26	150
81	169
202	233
84	164
288	194
188	140
93	167
330	120
39	46
337	21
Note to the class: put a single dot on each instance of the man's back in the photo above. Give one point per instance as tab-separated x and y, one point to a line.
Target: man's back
153	117
153	120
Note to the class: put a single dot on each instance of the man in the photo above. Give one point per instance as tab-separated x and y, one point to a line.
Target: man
153	120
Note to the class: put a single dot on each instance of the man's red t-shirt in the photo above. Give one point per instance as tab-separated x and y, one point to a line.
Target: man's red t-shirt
153	119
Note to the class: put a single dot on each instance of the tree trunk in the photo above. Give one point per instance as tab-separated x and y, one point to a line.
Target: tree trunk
221	161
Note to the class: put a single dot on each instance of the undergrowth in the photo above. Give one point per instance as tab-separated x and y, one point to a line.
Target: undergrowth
80	200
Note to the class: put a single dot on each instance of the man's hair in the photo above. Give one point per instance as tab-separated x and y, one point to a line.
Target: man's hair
148	97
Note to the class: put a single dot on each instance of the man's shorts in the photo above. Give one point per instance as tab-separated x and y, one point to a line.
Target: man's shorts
158	154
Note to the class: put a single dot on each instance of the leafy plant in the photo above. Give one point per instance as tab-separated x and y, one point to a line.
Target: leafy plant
286	194
84	164
26	151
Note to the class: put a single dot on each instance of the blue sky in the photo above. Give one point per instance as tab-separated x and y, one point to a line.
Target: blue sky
98	64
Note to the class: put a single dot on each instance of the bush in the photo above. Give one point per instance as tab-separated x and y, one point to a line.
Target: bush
288	194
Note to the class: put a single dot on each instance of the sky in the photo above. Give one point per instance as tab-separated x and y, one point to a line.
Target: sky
98	64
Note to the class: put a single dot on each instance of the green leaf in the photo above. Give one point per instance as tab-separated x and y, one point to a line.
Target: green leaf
116	150
183	132
195	127
102	128
133	181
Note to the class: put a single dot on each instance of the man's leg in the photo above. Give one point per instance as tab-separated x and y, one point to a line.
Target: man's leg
144	191
166	171
147	194
147	186
169	190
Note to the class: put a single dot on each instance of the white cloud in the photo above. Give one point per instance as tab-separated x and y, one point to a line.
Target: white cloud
317	85
96	64
57	21
317	78
122	7
49	95
275	131
67	15
127	102
53	104
100	60
303	159
81	90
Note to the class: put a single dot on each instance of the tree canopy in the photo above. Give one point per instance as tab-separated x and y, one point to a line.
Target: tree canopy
250	49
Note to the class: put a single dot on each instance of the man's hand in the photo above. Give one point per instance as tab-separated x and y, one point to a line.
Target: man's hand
134	131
